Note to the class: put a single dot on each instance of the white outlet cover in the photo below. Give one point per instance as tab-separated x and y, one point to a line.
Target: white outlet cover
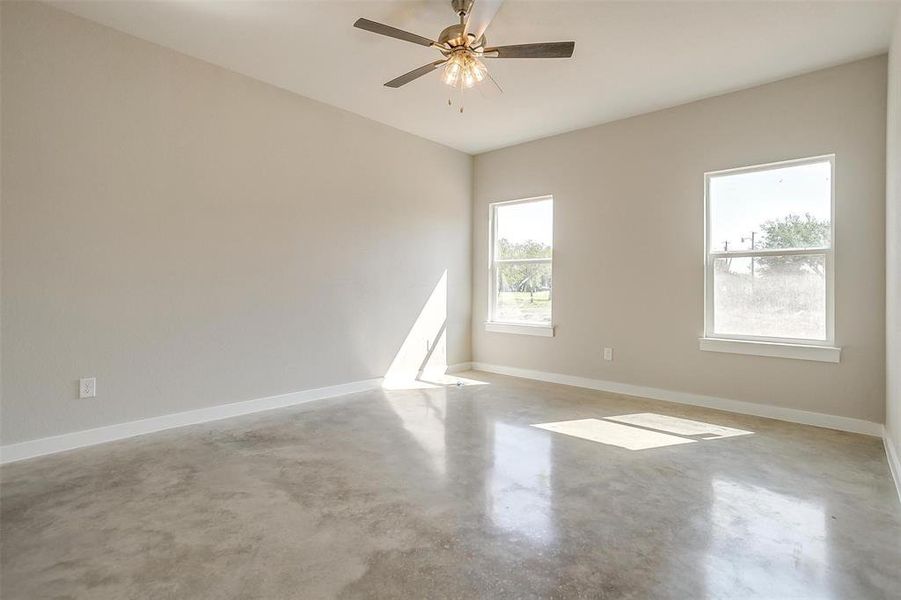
608	353
87	387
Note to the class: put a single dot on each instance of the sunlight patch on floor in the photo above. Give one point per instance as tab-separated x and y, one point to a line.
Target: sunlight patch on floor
642	431
427	381
446	379
430	379
614	434
407	384
679	426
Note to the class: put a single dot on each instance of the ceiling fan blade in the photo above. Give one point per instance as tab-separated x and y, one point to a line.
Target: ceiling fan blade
540	50
414	74
394	32
480	16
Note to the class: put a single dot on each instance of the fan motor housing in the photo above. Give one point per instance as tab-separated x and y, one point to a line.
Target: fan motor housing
454	37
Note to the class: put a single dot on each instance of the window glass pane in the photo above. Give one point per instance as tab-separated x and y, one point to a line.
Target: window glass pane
777	296
523	293
786	207
525	230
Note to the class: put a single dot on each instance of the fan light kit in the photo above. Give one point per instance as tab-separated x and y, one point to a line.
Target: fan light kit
464	69
463	46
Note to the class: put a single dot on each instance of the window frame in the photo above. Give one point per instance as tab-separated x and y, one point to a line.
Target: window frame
710	256
520	327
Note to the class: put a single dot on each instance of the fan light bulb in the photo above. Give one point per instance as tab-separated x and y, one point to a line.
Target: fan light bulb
452	73
464	69
479	70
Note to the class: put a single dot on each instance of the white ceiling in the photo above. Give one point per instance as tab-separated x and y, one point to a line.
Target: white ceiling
630	57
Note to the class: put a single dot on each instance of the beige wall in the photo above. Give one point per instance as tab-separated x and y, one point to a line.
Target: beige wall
893	246
193	237
628	233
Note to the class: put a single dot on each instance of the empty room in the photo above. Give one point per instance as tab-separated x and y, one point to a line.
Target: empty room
464	299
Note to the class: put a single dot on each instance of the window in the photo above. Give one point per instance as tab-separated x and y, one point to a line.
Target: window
769	257
522	234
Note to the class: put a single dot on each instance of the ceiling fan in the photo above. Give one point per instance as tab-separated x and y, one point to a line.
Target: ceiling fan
463	46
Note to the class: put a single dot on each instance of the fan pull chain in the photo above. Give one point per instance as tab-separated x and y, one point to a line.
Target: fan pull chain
450	99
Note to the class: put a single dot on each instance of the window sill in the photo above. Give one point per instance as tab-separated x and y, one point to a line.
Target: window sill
520	328
829	354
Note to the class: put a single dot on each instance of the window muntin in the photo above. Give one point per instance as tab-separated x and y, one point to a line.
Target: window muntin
769	252
522	233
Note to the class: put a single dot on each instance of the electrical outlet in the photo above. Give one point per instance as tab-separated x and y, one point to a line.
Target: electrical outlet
87	387
608	353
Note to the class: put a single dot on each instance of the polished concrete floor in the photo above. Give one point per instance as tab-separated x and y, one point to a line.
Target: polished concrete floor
454	492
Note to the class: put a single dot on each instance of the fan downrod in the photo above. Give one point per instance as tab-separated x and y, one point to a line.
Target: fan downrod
456	36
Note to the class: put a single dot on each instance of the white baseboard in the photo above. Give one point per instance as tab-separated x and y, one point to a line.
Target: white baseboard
90	437
737	406
894	464
110	433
